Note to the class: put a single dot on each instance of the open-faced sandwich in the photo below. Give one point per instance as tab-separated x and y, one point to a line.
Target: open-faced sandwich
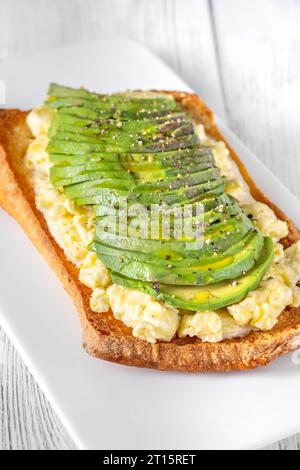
173	257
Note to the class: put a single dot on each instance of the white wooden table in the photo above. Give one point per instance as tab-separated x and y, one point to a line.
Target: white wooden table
254	48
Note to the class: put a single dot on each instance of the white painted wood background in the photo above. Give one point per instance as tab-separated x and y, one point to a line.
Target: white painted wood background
255	49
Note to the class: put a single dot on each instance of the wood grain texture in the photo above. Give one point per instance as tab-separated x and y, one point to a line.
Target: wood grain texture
259	47
253	49
26	418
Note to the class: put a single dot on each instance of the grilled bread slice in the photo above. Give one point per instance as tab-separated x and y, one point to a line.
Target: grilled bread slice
104	336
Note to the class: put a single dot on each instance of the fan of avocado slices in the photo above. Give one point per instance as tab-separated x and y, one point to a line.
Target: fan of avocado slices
143	148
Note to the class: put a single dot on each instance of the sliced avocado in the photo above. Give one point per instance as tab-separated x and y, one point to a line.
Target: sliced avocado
142	98
133	105
98	175
178	260
62	169
171	160
145	176
58	180
89	109
111	197
206	298
214	242
212	202
85	144
183	159
109	127
210	214
68	149
105	182
180	181
69	159
147	135
67	171
226	267
222	227
63	176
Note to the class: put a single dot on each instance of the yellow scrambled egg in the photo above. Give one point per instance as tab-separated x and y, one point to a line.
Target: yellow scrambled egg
235	185
265	219
71	226
262	307
222	159
211	327
99	300
150	320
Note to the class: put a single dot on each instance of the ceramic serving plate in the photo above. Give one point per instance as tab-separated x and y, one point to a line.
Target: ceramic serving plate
103	405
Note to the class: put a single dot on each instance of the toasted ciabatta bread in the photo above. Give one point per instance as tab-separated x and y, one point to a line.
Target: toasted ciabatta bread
104	336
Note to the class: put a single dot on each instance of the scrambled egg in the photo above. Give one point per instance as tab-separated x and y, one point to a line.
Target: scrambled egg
222	159
205	325
231	329
99	300
211	327
262	307
201	132
39	120
149	319
239	190
93	273
286	266
235	185
266	220
73	228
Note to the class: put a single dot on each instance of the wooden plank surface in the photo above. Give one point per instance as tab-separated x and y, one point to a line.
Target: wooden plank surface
258	48
251	48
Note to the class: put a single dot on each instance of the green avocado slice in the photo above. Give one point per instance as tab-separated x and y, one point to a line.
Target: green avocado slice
59	180
67	154
108	127
128	105
115	143
186	230
180	181
88	109
111	197
206	298
178	260
214	240
166	272
134	135
156	173
221	203
210	214
143	166
142	98
63	176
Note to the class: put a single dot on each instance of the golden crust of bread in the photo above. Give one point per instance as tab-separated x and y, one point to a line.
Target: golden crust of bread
104	336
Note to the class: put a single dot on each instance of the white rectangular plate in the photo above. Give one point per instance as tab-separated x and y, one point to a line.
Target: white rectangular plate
103	405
